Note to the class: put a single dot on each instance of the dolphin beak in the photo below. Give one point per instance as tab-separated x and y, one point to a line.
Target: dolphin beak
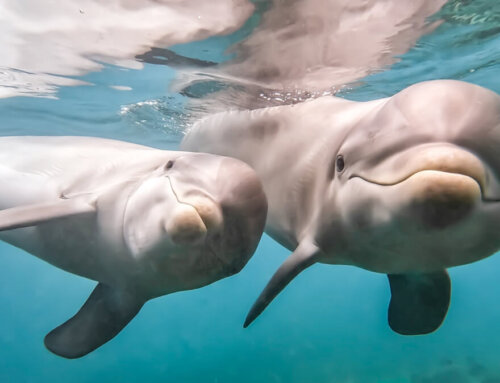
438	157
209	212
438	184
455	161
185	226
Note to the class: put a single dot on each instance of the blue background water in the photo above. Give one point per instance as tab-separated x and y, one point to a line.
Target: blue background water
330	324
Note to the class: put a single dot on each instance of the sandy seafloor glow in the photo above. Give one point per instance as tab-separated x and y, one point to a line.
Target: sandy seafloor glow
330	324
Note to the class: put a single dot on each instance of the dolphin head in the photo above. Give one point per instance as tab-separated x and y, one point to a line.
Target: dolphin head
199	214
415	184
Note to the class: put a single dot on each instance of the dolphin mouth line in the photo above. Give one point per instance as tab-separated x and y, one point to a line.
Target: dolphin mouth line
182	202
481	188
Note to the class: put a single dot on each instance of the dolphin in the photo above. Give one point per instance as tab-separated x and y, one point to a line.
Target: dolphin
142	222
407	186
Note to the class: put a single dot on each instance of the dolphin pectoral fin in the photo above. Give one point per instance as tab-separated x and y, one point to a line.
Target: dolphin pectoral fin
105	313
31	215
419	302
303	257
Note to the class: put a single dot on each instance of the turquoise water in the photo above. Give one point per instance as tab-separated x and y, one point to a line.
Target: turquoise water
330	323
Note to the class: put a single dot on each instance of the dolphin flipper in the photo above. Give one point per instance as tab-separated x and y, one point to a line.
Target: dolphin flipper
105	313
419	302
31	215
303	257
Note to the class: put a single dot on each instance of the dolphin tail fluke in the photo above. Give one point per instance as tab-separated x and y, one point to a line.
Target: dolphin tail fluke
303	257
105	313
419	302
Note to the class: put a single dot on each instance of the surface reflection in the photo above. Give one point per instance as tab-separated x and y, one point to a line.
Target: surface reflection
308	44
46	44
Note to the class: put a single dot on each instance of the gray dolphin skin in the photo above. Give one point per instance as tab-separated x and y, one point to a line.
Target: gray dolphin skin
407	186
142	222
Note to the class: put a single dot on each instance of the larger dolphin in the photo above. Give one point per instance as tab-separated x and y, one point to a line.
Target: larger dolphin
142	222
407	186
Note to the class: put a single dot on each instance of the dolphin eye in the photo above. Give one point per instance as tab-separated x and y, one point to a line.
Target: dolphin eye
340	163
169	164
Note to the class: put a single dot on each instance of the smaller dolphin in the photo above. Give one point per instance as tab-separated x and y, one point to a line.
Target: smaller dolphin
142	222
406	186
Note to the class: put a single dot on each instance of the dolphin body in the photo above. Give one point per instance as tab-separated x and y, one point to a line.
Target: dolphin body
142	222
407	186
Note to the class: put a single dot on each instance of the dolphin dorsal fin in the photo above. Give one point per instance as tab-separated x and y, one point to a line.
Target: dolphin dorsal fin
304	256
105	313
31	215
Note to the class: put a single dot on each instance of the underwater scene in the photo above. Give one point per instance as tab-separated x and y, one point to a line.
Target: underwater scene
228	77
